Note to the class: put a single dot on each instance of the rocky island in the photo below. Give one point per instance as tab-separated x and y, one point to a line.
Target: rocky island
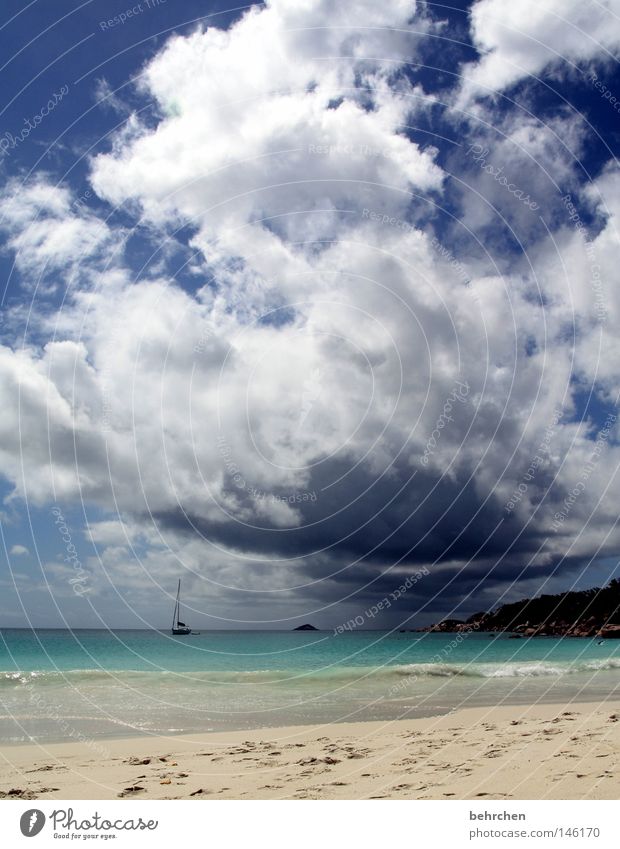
576	613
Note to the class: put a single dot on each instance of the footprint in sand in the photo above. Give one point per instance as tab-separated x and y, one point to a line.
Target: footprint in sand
496	794
130	791
17	793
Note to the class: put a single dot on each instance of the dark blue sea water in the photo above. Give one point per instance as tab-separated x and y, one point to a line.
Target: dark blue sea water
55	684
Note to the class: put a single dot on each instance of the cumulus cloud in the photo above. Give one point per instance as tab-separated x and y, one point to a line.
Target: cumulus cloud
49	230
521	40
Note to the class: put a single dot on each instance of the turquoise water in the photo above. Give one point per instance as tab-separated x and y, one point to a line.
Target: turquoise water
55	684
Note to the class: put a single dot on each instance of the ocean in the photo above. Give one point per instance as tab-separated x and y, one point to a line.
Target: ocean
85	684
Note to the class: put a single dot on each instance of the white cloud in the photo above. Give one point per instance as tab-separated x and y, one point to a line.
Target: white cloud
520	40
50	231
245	129
19	551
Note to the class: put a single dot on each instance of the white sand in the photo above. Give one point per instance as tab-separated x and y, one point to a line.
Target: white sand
539	752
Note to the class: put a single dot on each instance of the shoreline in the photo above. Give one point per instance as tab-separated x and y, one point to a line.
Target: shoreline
568	750
550	699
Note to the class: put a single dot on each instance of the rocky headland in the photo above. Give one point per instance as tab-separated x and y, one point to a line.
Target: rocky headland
576	613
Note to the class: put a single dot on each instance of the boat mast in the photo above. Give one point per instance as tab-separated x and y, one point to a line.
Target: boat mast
175	617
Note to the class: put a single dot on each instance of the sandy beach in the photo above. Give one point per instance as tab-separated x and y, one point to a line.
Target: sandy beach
539	752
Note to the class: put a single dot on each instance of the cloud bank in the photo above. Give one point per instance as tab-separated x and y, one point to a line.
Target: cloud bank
329	370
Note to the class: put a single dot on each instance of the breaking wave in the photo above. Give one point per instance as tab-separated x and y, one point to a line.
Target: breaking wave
331	675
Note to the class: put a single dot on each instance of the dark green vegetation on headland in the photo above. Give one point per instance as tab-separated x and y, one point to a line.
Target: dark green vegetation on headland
577	613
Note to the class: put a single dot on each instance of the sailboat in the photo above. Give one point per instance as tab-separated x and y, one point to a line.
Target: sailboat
179	627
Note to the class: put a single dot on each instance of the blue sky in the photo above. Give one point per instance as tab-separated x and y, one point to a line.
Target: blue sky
248	256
